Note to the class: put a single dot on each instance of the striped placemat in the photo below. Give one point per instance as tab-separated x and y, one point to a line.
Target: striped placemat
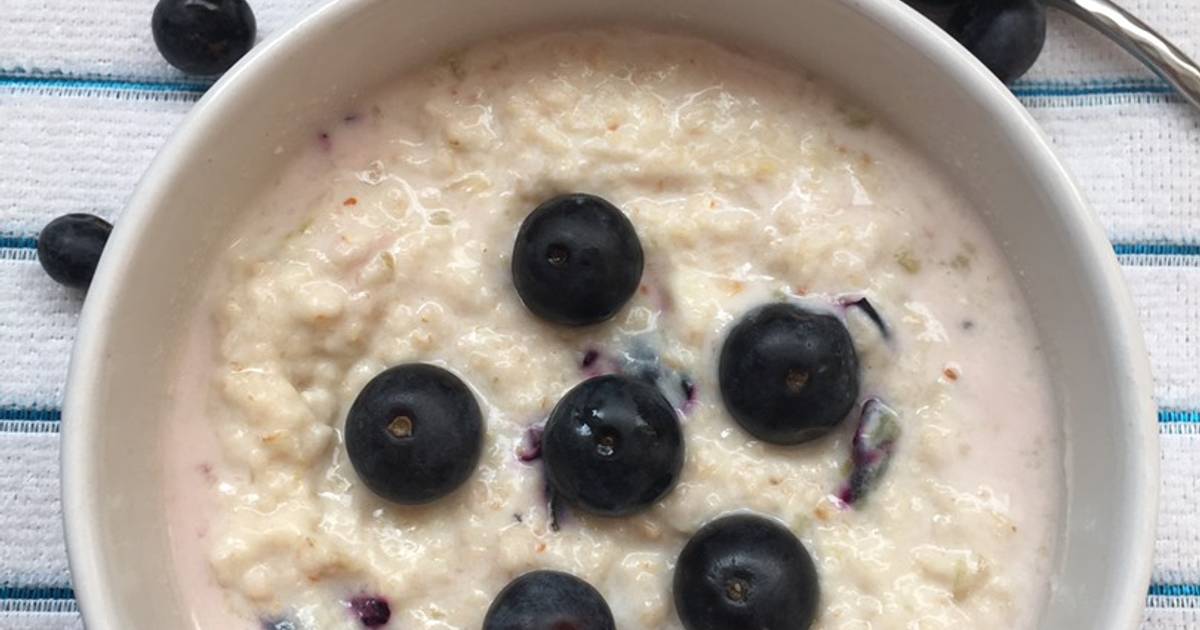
85	101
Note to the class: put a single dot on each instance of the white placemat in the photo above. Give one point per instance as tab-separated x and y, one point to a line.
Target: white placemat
85	101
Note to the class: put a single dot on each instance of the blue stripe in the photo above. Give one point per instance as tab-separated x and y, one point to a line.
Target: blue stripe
1175	590
66	593
8	592
30	414
1106	87
16	241
12	241
40	414
24	600
1157	254
62	82
18	247
49	414
30	420
1156	249
1179	416
59	82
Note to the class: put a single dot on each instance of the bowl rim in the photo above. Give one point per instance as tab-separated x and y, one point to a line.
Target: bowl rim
79	503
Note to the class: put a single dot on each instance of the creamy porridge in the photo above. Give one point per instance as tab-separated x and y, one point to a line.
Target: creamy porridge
390	241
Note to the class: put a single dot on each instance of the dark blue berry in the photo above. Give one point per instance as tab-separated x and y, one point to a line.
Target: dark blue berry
69	248
612	446
548	600
577	260
938	11
203	37
414	433
373	612
935	9
745	571
1006	35
788	375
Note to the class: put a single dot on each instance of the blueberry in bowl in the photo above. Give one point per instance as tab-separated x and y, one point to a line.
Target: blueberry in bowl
788	374
549	600
414	433
745	571
577	260
612	446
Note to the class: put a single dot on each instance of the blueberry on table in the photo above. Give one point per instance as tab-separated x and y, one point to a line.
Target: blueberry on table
548	600
203	37
69	248
788	375
1006	35
745	571
937	11
414	433
577	260
612	446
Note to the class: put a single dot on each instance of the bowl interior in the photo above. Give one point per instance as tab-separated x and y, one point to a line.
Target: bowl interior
877	50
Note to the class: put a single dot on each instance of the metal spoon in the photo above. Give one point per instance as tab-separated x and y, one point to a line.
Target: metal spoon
1132	34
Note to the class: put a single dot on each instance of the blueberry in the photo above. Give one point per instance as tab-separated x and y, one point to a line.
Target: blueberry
577	260
203	36
372	612
788	375
414	433
1006	35
548	600
278	624
69	248
936	3
937	11
612	446
745	571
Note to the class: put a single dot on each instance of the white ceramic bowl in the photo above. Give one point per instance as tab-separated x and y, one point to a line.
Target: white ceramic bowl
878	50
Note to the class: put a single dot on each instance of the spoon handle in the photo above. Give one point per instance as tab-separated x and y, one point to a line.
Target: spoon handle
1141	41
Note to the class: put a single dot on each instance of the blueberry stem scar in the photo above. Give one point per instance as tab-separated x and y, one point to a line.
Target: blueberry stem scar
796	380
401	427
736	589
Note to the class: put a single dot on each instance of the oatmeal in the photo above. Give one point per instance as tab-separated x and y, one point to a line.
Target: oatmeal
390	242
